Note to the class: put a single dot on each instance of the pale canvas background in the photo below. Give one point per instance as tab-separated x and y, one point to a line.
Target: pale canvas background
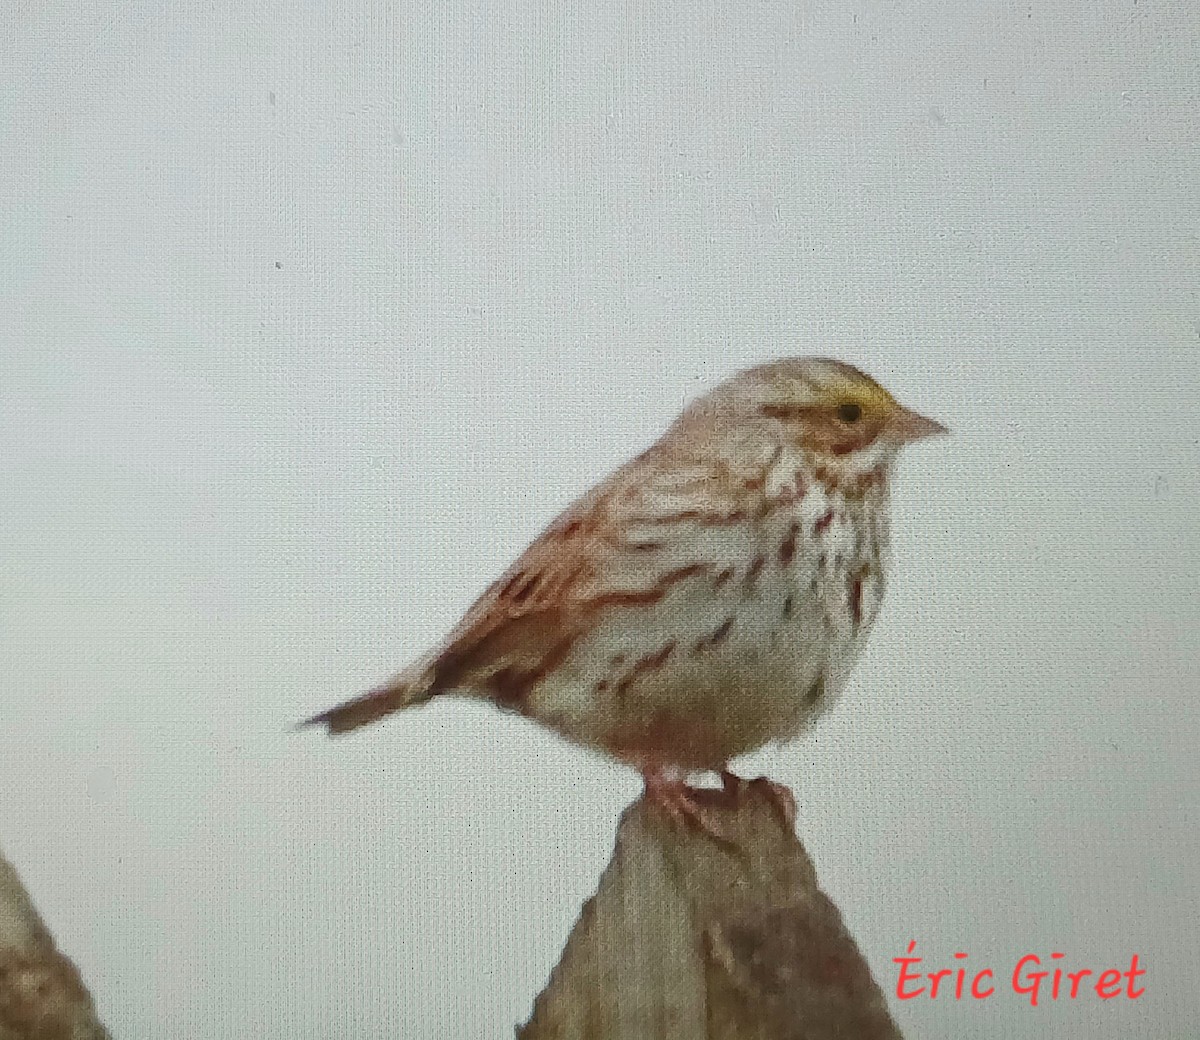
312	314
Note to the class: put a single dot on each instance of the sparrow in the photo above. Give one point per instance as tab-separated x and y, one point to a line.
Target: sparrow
708	597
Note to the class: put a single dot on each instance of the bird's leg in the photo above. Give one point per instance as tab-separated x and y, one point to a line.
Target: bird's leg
680	802
781	797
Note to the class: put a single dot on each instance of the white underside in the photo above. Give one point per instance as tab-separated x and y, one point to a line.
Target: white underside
774	672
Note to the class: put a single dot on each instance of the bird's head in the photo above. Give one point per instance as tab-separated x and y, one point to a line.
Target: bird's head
834	412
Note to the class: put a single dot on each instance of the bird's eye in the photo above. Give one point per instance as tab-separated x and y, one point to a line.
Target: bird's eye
849	413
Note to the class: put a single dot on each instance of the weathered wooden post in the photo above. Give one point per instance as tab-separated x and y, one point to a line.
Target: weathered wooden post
688	938
41	994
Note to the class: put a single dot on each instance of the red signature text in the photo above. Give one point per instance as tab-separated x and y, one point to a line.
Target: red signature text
1034	978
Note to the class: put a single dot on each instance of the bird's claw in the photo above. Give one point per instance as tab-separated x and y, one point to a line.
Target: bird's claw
685	806
689	807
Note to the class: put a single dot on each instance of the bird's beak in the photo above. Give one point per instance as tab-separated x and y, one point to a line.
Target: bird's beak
907	426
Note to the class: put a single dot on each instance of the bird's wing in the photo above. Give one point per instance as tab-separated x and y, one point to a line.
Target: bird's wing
617	546
612	548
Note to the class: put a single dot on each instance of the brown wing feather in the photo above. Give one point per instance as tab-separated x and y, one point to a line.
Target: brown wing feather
526	622
514	632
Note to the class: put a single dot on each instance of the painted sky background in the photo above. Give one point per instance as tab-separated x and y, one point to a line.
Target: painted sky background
312	315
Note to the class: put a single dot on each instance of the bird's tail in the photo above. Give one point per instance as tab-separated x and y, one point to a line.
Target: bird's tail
404	691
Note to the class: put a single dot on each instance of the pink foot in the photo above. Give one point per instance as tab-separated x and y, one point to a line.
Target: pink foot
682	803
